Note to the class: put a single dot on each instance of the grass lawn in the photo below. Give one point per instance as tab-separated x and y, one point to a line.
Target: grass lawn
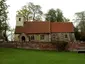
21	56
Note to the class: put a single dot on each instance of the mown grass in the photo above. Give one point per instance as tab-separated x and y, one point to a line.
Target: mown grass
21	56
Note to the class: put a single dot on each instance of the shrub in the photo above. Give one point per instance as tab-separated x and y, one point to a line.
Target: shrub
61	45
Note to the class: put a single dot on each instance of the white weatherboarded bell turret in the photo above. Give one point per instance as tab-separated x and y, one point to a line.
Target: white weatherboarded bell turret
19	20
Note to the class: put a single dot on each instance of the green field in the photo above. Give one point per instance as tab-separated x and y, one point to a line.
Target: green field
21	56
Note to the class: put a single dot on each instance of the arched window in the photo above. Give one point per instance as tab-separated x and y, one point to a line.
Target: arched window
19	19
23	38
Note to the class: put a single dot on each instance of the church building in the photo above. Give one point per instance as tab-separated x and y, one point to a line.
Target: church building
43	31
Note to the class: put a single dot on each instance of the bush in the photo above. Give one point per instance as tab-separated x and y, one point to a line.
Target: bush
61	45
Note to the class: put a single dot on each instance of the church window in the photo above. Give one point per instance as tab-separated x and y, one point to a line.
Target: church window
19	19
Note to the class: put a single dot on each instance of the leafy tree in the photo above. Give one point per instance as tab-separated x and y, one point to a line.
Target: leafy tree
35	10
66	19
25	13
59	15
77	33
31	12
3	18
55	15
51	15
38	18
80	21
11	34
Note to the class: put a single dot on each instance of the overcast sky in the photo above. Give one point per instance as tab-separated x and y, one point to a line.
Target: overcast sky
68	7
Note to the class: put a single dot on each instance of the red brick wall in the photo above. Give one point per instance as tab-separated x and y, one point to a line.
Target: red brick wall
42	45
74	46
30	45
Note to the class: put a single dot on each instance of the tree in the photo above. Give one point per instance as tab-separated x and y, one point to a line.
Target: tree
3	18
77	33
30	12
24	12
51	15
55	15
60	17
38	18
35	10
66	19
11	34
80	21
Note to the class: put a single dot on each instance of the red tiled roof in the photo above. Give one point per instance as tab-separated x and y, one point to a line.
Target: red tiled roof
45	27
62	27
34	27
19	29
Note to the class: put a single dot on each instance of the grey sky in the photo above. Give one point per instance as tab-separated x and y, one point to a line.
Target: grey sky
69	7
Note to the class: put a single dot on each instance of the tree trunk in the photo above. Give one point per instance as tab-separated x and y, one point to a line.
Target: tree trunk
33	16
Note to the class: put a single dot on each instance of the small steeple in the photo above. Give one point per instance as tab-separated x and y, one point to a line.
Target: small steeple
19	20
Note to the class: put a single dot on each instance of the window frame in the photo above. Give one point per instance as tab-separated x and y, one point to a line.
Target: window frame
42	37
66	36
19	19
32	37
